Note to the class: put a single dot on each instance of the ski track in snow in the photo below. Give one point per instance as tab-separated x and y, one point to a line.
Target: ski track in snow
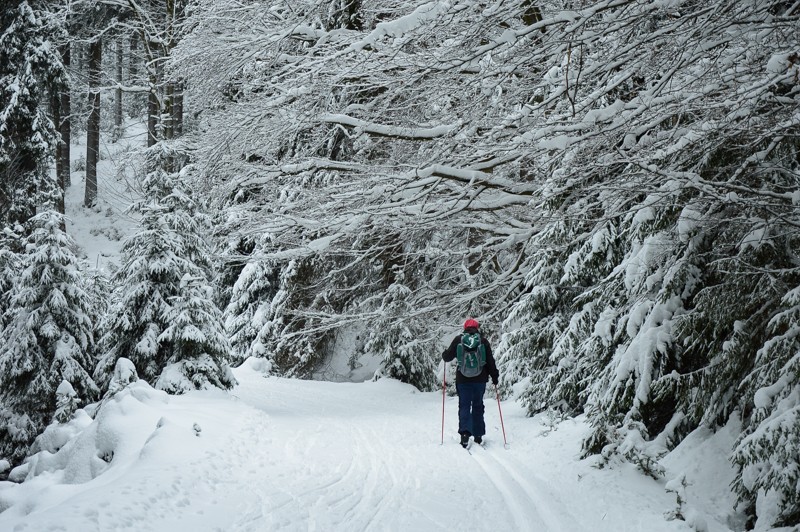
520	493
379	470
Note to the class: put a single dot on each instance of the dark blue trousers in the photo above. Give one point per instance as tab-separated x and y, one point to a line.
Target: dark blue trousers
470	408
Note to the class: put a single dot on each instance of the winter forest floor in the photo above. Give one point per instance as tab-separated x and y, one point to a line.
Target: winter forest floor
278	454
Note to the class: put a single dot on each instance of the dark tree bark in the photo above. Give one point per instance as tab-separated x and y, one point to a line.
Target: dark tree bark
55	111
65	177
532	13
55	108
169	93
118	93
134	103
93	125
153	110
177	109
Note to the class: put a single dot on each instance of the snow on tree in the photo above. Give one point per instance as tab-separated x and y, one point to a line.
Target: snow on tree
245	314
163	316
199	345
48	336
395	335
29	65
10	242
124	374
766	455
319	168
66	402
285	337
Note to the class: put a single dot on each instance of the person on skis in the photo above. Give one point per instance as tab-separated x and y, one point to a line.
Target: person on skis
475	366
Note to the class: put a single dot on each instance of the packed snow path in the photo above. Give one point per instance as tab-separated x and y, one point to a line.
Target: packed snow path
357	457
279	454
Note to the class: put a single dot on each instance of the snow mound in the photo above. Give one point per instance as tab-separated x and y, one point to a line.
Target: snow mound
84	448
698	471
130	427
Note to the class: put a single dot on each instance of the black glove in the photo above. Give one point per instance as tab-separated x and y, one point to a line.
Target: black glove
494	381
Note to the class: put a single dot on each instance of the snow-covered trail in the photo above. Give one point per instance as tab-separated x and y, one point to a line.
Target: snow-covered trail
368	457
288	455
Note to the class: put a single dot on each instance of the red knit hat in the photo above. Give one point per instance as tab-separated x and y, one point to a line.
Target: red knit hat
471	324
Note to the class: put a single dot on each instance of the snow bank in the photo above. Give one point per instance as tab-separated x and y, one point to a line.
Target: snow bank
702	461
130	428
84	448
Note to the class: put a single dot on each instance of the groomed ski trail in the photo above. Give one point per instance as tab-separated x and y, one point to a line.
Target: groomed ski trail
374	463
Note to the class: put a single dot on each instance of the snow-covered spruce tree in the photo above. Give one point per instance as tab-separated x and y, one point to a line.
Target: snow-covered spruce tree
398	338
286	333
10	242
556	333
162	316
766	455
29	65
675	327
246	313
48	336
199	346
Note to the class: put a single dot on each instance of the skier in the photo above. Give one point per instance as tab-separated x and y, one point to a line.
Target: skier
475	365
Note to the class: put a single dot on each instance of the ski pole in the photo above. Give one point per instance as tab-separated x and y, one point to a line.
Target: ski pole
444	389
502	425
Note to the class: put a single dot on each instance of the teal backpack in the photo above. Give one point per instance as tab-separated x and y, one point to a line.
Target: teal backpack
471	355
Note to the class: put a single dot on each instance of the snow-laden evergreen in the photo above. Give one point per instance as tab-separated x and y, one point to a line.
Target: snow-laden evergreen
48	337
30	66
10	242
163	316
247	313
398	339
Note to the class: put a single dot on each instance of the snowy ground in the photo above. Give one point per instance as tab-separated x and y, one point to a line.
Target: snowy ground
279	454
100	230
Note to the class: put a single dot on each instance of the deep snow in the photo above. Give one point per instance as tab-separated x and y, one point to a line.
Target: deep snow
278	454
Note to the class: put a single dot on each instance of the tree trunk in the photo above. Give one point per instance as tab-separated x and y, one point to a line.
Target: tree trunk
152	112
177	109
55	107
134	103
118	93
93	125
168	124
65	177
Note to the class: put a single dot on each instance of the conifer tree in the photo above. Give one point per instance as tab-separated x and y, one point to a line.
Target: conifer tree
282	337
246	313
48	338
163	317
29	65
10	242
199	346
396	336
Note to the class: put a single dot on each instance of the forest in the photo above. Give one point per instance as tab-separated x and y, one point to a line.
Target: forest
612	188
